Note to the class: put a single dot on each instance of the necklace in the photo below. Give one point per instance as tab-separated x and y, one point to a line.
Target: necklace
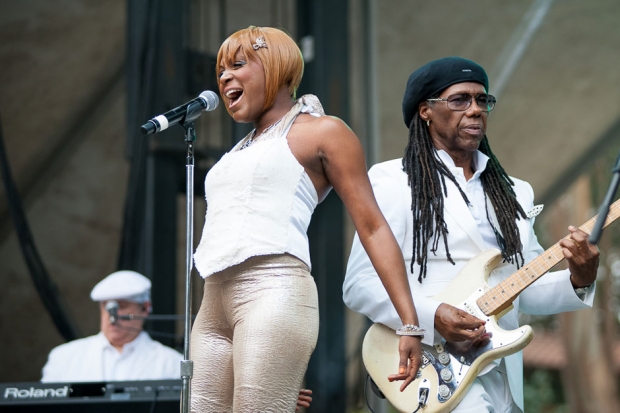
253	136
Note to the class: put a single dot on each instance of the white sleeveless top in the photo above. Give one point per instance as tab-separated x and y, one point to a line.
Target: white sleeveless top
259	200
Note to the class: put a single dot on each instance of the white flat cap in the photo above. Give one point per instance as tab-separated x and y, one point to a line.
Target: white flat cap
123	285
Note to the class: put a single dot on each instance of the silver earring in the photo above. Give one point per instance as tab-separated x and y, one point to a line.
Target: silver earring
428	123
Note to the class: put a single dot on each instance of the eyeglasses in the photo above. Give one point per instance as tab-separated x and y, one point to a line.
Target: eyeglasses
462	101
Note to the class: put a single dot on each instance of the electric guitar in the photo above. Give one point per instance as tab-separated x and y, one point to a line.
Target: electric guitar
449	368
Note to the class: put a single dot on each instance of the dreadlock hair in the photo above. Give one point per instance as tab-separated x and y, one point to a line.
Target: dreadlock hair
426	177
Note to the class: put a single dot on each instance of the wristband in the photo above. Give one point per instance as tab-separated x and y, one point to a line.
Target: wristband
410	330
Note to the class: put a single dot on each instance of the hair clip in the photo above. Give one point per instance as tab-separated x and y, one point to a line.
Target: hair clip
260	42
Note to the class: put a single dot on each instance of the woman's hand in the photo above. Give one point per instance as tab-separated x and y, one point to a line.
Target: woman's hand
410	349
304	399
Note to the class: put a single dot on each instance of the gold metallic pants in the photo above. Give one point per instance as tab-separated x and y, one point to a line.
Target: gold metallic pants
251	341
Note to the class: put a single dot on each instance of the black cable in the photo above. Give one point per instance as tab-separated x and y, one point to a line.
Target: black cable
162	334
154	402
47	290
366	393
422	398
149	331
420	405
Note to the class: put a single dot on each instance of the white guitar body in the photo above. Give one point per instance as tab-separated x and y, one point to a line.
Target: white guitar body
448	368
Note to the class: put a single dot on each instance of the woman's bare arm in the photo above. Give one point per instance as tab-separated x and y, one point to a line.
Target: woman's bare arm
344	165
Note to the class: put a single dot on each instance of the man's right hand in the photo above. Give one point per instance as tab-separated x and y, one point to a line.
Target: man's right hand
454	324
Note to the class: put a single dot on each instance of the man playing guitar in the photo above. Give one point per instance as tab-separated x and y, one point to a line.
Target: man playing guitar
447	201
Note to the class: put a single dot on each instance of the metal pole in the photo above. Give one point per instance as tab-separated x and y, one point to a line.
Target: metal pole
514	49
597	231
187	366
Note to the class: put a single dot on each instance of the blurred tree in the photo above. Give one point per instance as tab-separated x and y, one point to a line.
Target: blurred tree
541	395
589	380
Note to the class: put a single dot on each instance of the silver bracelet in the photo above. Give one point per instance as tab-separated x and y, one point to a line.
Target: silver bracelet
410	330
580	291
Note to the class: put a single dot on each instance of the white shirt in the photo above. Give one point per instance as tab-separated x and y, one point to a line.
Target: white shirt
475	193
259	200
95	359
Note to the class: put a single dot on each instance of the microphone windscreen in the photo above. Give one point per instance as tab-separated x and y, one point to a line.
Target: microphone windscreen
211	99
111	306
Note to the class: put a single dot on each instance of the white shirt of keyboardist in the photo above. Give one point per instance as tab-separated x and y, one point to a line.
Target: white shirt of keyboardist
94	359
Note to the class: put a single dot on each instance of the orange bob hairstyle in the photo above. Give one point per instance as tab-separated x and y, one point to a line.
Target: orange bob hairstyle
281	59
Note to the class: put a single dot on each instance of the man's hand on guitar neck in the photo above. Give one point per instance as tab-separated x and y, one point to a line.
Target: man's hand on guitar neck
454	324
582	257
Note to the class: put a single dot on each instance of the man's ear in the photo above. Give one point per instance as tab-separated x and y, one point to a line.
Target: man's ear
425	111
146	306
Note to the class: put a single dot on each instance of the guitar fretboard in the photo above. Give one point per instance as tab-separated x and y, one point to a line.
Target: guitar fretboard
503	294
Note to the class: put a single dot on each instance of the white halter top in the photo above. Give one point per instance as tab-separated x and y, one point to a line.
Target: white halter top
259	200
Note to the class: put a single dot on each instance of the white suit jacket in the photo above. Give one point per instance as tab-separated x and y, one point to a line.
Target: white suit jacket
363	291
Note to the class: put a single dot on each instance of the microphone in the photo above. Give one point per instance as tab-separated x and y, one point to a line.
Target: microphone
207	101
112	308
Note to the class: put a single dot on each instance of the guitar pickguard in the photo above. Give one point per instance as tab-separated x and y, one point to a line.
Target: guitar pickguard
449	368
452	361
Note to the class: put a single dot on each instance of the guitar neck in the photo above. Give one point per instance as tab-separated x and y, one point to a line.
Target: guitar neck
502	295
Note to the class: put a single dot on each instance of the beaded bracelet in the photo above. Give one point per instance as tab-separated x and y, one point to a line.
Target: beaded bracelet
410	330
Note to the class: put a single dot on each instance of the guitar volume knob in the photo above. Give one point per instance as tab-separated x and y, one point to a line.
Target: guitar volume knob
444	391
444	358
446	374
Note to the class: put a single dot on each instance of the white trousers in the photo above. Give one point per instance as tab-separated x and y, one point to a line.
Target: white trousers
489	393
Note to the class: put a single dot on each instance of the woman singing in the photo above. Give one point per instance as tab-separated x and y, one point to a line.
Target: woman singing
258	322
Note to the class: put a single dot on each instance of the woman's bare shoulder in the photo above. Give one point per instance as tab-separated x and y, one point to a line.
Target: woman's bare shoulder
322	125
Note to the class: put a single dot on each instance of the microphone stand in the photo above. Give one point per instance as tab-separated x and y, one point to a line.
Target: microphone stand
187	365
604	208
158	317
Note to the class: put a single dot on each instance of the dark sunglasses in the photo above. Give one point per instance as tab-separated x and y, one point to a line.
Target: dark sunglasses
462	101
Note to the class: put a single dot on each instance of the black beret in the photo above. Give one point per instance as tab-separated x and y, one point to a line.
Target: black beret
435	76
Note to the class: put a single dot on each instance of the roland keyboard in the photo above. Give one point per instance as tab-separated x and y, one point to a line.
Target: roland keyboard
149	396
